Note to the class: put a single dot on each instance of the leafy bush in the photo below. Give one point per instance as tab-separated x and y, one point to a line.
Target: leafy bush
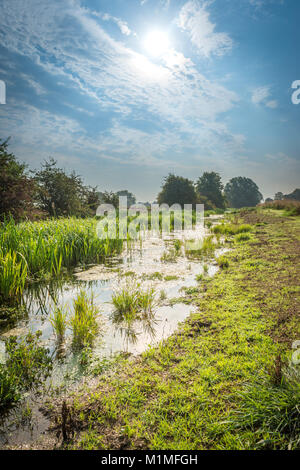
27	366
291	206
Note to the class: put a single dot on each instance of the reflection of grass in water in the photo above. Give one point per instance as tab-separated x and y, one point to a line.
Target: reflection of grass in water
162	295
133	306
83	323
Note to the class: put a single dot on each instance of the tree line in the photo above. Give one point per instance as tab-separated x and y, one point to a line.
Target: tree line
51	191
210	191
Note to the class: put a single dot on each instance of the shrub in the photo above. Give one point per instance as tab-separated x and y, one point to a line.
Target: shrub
27	366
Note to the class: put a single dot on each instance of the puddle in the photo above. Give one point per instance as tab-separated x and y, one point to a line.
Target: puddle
142	263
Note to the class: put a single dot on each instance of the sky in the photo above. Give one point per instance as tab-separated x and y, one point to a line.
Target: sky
126	91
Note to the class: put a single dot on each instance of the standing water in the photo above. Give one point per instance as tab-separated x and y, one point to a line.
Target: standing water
152	263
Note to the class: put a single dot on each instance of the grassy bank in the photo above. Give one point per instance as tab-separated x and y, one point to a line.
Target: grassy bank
221	382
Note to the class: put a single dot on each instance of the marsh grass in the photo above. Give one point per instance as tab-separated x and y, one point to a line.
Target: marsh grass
242	237
231	229
223	262
200	248
34	250
133	306
169	256
13	274
59	322
83	323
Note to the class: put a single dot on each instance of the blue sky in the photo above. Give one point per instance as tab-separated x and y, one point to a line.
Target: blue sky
124	92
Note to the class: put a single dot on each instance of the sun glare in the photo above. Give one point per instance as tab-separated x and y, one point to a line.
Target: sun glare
157	43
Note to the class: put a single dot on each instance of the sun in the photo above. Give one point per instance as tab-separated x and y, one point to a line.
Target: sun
157	43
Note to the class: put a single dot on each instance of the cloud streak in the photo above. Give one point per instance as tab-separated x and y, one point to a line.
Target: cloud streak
194	18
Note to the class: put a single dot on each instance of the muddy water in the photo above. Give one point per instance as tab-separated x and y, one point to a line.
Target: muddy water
139	264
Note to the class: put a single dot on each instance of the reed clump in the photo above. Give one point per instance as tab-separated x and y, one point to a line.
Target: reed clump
83	323
35	250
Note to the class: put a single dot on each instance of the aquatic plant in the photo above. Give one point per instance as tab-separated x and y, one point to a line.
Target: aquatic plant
58	321
200	248
83	323
13	273
133	305
32	250
169	256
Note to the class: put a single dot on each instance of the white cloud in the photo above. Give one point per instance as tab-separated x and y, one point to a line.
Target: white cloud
261	95
182	102
273	104
38	88
121	24
195	20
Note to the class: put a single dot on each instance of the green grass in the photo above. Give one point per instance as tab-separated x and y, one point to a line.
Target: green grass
242	237
84	321
59	323
200	248
13	274
209	386
231	229
133	305
223	262
39	250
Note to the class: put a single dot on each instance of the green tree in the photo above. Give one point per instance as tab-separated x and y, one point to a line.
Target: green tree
93	199
131	199
278	196
210	186
177	190
60	194
242	192
16	188
294	195
109	197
